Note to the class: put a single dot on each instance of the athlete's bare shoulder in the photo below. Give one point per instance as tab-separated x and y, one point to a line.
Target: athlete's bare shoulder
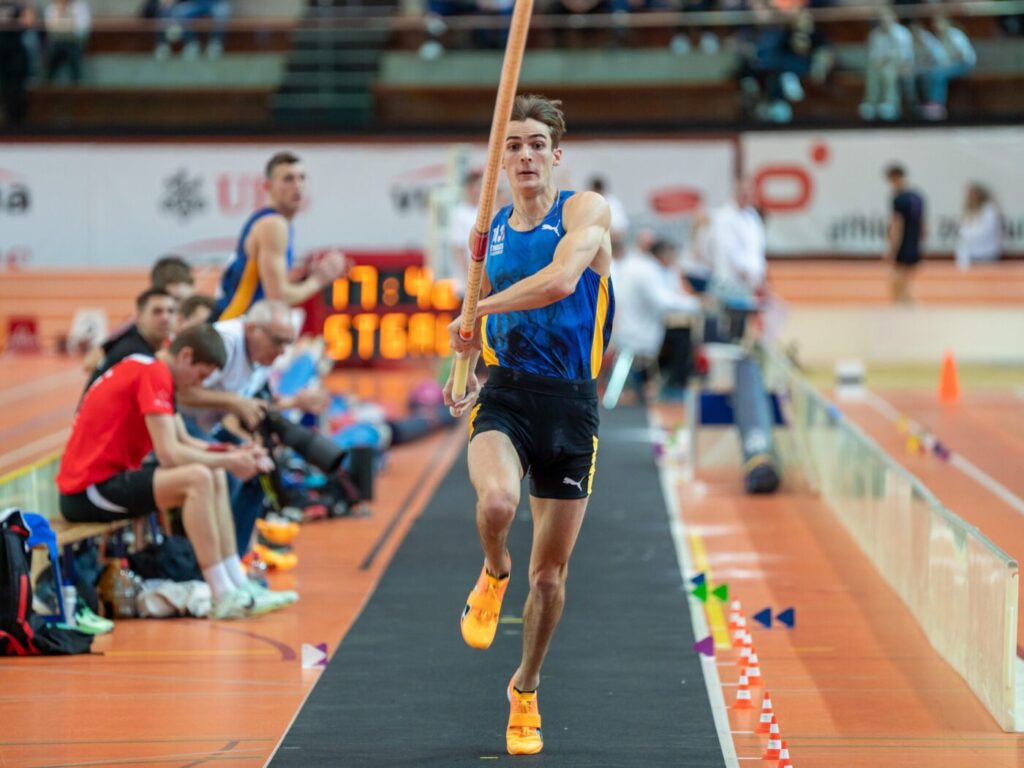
270	232
586	209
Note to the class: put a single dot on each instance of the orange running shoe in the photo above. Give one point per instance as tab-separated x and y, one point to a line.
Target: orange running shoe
276	560
483	607
523	736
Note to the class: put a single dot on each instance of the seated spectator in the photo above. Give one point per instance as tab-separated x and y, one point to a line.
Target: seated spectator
179	13
153	328
252	344
647	289
733	239
890	68
174	275
67	25
980	234
129	413
784	55
16	17
954	57
196	310
619	217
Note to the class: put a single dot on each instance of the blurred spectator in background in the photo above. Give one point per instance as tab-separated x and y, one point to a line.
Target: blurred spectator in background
890	68
174	275
784	55
460	226
619	217
647	290
178	14
16	17
906	232
196	310
156	321
980	234
731	242
67	25
952	56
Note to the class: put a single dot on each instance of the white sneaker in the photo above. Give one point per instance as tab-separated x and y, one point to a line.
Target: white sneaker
162	52
214	49
191	51
791	87
237	604
867	111
267	600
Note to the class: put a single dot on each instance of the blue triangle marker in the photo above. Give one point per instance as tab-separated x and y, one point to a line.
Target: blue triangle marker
699	579
765	618
705	646
787	617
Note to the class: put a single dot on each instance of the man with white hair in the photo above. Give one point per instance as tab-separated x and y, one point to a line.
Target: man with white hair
253	342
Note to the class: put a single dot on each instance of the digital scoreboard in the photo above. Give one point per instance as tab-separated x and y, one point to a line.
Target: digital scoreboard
388	307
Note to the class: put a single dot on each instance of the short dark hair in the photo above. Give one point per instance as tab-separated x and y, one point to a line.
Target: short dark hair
169	270
143	298
542	109
660	245
206	344
597	184
281	158
194	302
895	169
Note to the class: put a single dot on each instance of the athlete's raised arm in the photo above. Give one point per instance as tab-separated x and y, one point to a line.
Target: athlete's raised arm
269	240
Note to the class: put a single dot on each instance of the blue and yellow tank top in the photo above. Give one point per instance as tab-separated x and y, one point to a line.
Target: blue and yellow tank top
564	340
240	285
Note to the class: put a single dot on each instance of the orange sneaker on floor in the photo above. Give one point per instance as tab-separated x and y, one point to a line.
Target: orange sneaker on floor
280	533
483	607
275	560
523	736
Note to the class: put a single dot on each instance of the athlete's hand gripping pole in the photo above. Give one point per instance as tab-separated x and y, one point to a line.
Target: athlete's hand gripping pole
489	184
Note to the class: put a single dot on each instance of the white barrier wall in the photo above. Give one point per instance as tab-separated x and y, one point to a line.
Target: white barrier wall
825	192
105	205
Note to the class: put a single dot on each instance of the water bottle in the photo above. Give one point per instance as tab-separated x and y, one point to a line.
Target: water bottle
70	604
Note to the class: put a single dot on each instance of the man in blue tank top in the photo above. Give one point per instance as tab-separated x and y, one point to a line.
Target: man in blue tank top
546	314
259	268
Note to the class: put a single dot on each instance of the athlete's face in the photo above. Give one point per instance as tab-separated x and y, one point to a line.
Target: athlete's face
529	156
286	187
158	318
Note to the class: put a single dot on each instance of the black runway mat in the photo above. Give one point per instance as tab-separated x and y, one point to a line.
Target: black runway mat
621	687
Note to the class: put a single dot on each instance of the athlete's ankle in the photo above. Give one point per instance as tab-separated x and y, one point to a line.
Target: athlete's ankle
501	570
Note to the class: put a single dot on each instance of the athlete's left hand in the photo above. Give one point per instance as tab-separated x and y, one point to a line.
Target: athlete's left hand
459	344
472	391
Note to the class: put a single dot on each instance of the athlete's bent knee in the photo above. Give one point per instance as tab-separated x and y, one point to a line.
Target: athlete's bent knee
547	583
197	479
498	507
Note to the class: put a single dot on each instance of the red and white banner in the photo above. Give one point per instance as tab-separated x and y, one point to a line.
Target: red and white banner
103	205
826	192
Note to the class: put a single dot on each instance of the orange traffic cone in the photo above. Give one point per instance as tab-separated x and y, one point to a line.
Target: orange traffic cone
784	761
774	748
743	700
754	669
949	382
765	723
746	649
735	614
739	633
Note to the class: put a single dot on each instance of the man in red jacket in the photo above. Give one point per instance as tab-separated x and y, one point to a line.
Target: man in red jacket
129	412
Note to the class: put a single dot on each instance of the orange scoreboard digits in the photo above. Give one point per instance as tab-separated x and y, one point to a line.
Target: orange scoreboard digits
388	311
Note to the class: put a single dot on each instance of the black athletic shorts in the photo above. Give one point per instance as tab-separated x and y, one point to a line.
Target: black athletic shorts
129	494
552	424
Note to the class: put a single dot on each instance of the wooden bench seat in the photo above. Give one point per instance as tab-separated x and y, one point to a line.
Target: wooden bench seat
71	533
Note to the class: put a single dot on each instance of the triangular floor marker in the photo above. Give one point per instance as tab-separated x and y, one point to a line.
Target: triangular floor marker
765	617
697	580
787	617
701	593
314	656
705	646
721	592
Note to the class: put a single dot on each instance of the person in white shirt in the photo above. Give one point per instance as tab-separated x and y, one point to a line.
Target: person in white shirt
647	289
67	24
980	233
733	242
460	225
617	211
890	63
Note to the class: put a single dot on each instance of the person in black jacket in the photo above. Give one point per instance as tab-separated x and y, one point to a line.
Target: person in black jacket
15	18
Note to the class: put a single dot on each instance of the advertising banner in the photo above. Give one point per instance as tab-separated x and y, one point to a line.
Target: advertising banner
825	193
109	206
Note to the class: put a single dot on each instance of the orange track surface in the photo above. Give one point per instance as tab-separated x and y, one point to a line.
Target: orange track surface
187	691
855	683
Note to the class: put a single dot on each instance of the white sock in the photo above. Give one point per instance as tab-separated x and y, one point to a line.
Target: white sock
236	572
219	579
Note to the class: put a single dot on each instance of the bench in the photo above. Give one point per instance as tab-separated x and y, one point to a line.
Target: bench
72	533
